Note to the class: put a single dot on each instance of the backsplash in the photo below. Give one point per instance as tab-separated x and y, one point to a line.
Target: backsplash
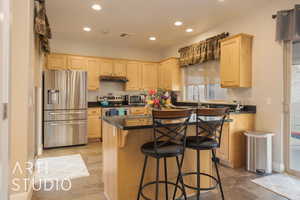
107	87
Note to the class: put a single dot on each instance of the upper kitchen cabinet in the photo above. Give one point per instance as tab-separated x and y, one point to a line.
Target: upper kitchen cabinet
106	67
236	61
169	75
56	61
93	73
119	68
134	76
149	76
77	63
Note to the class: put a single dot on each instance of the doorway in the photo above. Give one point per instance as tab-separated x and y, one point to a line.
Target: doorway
293	112
4	96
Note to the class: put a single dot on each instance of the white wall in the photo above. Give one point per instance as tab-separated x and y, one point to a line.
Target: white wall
94	49
267	90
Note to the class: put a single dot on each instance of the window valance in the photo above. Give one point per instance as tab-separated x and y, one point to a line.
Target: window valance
202	51
288	24
41	25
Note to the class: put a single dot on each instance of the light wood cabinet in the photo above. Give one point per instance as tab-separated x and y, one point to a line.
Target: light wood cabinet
119	68
232	151
106	67
169	75
77	63
149	76
93	74
137	110
236	61
134	70
94	123
56	62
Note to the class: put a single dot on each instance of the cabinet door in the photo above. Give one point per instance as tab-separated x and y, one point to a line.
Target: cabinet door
167	75
94	123
137	110
56	62
230	63
77	63
149	76
134	76
93	74
119	68
106	68
223	151
161	80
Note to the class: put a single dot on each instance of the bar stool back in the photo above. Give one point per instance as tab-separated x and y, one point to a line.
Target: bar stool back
208	136
169	131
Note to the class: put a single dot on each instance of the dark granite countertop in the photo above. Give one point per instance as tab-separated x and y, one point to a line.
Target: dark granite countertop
136	121
97	104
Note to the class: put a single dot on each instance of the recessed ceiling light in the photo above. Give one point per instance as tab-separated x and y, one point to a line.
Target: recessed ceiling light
189	30
96	7
221	0
152	38
87	29
178	23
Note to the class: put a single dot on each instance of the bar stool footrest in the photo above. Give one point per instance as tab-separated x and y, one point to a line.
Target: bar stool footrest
203	174
160	182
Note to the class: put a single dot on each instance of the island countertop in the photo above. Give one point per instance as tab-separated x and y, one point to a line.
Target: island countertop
141	121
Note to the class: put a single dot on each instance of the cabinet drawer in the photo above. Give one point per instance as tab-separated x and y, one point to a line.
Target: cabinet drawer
137	111
94	111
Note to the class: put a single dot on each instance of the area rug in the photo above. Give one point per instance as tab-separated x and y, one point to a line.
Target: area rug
282	184
60	168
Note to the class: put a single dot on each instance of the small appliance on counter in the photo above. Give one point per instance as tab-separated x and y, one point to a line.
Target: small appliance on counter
135	100
116	111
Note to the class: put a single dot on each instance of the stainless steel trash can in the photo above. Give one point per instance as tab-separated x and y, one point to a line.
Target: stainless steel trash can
259	151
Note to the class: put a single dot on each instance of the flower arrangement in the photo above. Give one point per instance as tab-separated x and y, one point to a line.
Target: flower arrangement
158	98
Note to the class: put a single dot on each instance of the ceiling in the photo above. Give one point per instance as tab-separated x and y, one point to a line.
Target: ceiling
141	19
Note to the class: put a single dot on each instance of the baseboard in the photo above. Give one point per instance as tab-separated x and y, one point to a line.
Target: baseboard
24	195
278	167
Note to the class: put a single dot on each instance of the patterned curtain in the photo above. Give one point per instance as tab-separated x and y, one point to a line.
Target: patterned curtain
202	51
41	25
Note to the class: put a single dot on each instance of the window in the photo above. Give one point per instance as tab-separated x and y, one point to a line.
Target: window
202	82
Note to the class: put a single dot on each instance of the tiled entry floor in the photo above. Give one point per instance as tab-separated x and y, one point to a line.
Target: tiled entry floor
237	183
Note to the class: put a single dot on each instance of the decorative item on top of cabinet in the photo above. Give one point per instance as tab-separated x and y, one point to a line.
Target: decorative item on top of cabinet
134	75
149	76
236	61
169	75
94	123
56	61
119	68
93	74
106	67
77	63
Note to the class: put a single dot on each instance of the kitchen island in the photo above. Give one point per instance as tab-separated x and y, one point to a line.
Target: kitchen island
123	160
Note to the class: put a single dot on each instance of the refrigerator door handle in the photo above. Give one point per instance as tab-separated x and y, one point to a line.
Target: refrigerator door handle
66	113
67	123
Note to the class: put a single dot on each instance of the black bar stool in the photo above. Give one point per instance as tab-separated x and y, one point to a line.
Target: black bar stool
169	129
209	127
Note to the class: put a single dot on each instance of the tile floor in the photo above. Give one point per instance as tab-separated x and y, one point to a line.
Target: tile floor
237	183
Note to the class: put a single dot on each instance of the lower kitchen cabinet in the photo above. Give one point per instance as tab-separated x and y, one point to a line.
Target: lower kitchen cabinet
94	123
232	152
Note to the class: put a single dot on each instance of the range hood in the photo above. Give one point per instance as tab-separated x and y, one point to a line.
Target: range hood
114	78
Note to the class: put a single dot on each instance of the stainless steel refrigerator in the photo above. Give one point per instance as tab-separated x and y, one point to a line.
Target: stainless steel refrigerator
65	108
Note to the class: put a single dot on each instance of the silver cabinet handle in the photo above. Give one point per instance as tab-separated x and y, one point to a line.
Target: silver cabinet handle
68	123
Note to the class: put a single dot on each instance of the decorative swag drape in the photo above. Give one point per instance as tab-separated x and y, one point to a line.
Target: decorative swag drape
41	25
288	25
202	51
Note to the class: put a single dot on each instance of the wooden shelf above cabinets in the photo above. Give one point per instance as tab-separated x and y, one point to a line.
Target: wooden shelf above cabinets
236	61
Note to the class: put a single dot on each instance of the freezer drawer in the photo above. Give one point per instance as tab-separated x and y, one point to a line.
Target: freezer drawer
65	133
55	115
